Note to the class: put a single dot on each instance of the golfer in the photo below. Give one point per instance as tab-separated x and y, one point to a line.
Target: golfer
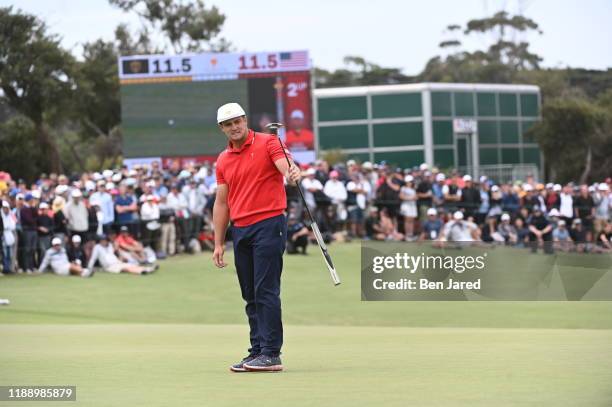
251	194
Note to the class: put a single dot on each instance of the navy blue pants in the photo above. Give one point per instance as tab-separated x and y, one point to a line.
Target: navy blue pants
258	255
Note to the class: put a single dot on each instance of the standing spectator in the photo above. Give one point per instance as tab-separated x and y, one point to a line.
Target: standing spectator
312	189
77	215
9	237
424	196
432	227
408	207
168	209
388	196
566	203
510	201
603	202
150	214
470	197
584	209
336	192
540	231
495	201
437	189
60	223
452	195
45	229
126	207
105	201
485	204
29	225
358	192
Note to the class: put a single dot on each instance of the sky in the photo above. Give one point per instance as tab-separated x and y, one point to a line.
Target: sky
390	33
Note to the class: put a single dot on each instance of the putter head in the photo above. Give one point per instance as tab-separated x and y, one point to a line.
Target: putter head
273	127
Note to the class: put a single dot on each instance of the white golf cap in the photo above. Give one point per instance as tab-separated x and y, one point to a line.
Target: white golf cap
5	204
561	223
311	171
458	215
90	185
467	177
76	193
440	177
527	187
107	173
603	187
550	185
97	176
557	187
423	167
109	185
19	196
432	212
554	212
60	189
408	178
297	114
350	163
116	177
366	165
229	111
76	239
483	178
56	240
43	205
494	188
36	194
505	216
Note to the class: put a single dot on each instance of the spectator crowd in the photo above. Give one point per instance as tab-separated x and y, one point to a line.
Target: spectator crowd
127	219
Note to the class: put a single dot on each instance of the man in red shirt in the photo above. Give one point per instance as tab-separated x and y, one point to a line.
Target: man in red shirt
299	138
251	193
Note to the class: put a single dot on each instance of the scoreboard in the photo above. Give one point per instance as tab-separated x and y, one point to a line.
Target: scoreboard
169	102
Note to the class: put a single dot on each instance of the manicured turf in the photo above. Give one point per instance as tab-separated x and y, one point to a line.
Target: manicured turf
167	340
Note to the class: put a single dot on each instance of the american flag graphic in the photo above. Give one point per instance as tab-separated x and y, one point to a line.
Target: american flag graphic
293	59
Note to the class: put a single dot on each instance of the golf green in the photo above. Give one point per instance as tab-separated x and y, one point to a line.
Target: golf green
168	339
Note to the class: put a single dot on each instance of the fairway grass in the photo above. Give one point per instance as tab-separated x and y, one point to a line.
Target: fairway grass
167	340
187	365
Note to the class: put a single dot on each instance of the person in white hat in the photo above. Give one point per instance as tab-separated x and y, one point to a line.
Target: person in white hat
431	228
8	237
105	201
77	214
460	230
408	208
506	232
470	196
299	137
57	258
251	175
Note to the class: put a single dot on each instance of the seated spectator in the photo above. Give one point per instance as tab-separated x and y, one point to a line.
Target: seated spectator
540	231
604	240
522	232
459	230
431	228
506	231
578	235
388	228
489	230
297	235
372	225
57	258
128	247
561	237
104	253
76	253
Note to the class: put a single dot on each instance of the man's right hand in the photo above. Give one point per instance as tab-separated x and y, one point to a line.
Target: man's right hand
218	256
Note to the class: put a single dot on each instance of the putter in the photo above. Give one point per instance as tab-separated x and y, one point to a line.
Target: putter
273	127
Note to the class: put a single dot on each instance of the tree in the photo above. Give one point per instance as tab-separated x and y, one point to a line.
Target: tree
36	77
498	63
576	138
188	27
366	73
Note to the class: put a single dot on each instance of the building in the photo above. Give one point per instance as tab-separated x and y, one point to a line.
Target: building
477	128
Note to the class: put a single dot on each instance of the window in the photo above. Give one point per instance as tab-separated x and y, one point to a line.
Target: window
487	132
355	136
442	132
342	108
398	134
464	103
507	104
487	105
440	104
396	105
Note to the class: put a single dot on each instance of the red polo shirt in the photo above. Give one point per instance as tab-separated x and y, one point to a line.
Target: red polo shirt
256	189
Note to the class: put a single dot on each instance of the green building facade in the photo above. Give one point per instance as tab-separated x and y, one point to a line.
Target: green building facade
466	126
